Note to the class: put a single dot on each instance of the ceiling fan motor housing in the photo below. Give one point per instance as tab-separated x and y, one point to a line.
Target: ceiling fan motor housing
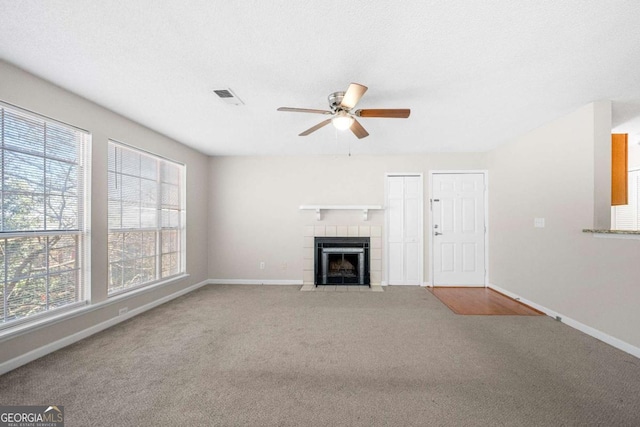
335	99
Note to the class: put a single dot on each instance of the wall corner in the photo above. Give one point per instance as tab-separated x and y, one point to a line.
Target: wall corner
602	164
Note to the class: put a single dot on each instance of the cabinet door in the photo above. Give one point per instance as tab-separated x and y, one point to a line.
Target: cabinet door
619	169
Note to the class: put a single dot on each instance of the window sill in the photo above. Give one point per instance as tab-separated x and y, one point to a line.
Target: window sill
119	294
614	234
85	308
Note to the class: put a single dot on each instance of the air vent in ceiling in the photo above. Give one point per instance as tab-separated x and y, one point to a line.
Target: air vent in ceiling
228	96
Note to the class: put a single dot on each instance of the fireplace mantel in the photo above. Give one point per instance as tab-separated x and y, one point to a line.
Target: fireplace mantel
319	208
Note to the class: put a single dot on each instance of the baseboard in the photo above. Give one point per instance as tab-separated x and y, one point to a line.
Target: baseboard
68	340
612	341
255	282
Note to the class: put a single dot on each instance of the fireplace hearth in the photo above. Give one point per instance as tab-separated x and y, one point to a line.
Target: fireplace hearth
342	261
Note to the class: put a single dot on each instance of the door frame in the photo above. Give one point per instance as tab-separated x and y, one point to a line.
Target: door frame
385	257
485	173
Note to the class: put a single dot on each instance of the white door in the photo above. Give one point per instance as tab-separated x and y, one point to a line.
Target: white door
404	229
458	229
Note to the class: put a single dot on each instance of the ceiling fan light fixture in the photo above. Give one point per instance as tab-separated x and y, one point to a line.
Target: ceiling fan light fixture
342	121
342	114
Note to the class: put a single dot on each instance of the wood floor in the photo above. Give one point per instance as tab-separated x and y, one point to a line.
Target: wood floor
481	301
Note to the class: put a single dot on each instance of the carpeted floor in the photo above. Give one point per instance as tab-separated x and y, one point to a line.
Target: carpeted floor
272	355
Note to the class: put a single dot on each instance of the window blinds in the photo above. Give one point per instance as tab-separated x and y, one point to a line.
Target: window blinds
146	218
627	217
43	235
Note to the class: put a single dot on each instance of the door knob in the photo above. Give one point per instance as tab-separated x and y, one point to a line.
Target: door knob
437	234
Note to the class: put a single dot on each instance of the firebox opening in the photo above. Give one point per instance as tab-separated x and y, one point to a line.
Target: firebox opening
342	261
343	265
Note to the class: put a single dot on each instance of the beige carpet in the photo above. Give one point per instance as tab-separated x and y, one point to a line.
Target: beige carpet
275	356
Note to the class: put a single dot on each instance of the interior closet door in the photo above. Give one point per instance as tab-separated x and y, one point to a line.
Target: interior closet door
404	229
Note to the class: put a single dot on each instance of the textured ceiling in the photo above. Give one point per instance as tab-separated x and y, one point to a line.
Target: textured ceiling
474	73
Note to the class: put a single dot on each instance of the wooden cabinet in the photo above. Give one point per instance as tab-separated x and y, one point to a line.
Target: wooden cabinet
619	169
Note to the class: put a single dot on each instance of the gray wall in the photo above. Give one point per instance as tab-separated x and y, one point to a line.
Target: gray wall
549	173
27	91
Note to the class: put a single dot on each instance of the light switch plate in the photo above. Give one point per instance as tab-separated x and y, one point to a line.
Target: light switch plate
538	222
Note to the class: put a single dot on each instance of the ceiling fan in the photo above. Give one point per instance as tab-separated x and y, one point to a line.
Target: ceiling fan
343	116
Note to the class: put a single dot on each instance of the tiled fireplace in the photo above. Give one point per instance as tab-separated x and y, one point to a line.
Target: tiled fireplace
349	260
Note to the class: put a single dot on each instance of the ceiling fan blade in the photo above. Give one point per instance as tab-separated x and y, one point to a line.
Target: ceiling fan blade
398	113
353	95
358	130
315	128
304	110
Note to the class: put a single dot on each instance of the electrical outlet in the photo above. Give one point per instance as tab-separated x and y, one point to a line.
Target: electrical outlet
262	265
123	311
538	222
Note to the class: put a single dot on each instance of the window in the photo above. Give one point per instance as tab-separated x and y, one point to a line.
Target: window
627	217
44	241
146	218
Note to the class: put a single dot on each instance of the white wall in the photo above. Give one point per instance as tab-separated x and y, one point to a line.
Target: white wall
549	173
254	205
27	91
